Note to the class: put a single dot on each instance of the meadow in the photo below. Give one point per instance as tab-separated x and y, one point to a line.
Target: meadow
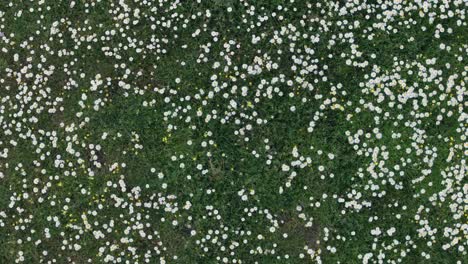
233	131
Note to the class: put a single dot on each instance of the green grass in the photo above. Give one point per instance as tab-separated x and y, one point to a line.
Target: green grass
157	92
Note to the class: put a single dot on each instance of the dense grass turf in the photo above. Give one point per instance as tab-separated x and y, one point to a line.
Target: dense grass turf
268	131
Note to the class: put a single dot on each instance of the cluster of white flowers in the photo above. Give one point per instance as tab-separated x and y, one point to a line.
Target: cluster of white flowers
141	131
